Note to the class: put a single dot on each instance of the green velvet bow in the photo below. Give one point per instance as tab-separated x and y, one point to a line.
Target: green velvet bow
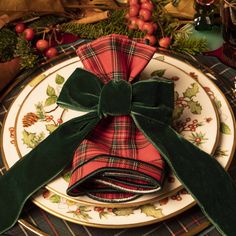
150	104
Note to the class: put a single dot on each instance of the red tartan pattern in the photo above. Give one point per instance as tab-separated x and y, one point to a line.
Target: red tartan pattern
115	57
116	162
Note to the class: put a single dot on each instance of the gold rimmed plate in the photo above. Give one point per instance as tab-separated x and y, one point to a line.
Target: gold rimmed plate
166	207
38	115
129	216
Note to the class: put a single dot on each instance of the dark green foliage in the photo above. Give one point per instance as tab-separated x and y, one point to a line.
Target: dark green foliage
8	40
46	21
190	45
26	53
115	24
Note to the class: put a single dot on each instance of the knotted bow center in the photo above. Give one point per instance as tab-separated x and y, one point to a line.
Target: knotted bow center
113	94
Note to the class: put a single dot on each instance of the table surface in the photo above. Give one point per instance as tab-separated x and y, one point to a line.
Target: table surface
179	225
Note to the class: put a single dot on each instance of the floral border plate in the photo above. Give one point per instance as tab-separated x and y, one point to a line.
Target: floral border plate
166	207
38	115
144	214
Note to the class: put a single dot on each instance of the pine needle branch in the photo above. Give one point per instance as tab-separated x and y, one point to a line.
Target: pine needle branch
190	45
115	24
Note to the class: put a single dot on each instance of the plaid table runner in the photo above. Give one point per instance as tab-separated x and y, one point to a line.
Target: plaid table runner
175	226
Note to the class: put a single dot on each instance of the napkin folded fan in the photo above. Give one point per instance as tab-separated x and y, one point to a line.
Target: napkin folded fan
119	148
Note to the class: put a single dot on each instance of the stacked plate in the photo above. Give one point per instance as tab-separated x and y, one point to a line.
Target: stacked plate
202	115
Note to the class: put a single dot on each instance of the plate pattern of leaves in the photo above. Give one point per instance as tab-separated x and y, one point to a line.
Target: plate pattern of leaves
119	216
39	116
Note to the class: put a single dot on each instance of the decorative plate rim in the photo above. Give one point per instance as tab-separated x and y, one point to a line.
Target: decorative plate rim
187	207
132	203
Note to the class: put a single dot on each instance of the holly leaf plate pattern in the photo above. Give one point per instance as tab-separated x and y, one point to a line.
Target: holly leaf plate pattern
169	205
190	112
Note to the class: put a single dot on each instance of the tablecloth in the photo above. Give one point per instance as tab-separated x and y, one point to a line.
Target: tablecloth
179	225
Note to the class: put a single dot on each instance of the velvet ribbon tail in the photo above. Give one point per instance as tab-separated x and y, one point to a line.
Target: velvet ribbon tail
40	166
201	174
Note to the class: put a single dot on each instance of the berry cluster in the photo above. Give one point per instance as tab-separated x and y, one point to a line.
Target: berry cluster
49	118
42	44
140	17
177	196
102	209
187	125
12	135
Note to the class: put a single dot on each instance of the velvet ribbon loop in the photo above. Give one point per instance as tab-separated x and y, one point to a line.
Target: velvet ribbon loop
150	104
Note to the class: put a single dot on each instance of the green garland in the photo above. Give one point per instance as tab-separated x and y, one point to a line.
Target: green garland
115	24
190	45
26	53
46	21
12	45
8	40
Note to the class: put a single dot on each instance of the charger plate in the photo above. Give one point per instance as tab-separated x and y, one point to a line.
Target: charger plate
130	215
37	115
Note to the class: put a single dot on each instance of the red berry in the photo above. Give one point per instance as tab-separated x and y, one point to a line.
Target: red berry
174	197
179	198
109	209
140	23
99	209
42	44
49	118
133	22
154	26
164	42
198	140
134	10
208	119
207	89
59	121
133	2
151	39
148	28
145	14
28	34
147	5
175	78
46	194
20	27
184	191
171	179
51	52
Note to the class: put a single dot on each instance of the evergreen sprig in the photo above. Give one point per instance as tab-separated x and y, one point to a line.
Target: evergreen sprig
8	40
190	45
115	24
26	53
46	21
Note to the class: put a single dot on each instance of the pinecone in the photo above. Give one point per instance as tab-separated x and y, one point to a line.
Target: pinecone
29	119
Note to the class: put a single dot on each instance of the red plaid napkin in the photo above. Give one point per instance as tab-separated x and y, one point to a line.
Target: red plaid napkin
116	162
